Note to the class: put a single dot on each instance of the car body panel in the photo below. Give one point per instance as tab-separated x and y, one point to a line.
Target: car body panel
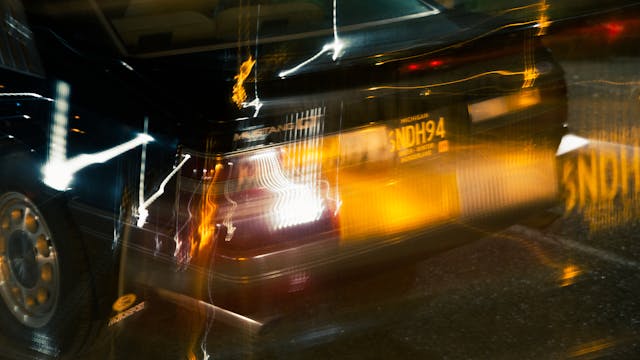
364	143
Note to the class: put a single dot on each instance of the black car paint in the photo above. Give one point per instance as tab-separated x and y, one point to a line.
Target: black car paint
187	100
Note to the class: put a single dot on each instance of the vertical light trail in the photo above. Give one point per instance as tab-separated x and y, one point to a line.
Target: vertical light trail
143	164
296	203
59	125
543	20
256	103
58	172
143	211
336	47
295	179
228	220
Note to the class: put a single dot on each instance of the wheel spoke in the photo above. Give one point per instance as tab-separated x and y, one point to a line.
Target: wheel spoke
28	299
29	278
17	216
42	245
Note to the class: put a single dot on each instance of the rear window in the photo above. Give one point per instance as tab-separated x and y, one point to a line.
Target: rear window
149	26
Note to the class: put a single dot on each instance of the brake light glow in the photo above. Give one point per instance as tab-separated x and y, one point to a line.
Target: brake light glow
295	203
424	65
613	29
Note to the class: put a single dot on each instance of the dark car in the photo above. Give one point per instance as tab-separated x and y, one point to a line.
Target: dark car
235	153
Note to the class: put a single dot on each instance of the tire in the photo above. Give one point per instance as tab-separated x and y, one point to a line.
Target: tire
45	292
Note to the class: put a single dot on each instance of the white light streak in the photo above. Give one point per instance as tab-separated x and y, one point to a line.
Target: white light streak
255	103
58	135
295	203
336	48
570	143
143	211
143	164
58	173
127	66
228	220
25	94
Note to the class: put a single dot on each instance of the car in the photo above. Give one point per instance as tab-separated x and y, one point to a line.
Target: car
232	155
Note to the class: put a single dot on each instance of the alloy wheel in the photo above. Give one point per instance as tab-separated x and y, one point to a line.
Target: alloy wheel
29	265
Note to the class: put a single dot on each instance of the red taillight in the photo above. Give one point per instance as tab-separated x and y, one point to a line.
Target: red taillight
424	65
613	29
436	63
262	198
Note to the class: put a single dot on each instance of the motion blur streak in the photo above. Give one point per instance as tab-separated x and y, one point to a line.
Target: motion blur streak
228	219
239	94
509	175
591	349
143	167
503	105
29	95
530	70
601	181
543	20
472	77
378	202
202	239
58	171
293	174
570	273
58	174
58	136
143	211
336	47
295	203
459	44
571	143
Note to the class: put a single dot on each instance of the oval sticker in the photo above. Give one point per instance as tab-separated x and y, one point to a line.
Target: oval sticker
124	302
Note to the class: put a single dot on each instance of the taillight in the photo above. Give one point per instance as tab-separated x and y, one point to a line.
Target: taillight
613	29
423	65
265	197
276	195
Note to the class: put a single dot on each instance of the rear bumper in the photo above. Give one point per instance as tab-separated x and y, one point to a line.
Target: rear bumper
504	170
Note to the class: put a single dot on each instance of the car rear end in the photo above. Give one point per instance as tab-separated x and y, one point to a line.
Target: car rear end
405	144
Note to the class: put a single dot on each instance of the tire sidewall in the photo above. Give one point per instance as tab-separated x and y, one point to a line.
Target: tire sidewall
64	332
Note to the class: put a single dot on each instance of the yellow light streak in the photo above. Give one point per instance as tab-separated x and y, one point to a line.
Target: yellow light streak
543	20
589	350
569	275
530	75
419	87
459	44
239	94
